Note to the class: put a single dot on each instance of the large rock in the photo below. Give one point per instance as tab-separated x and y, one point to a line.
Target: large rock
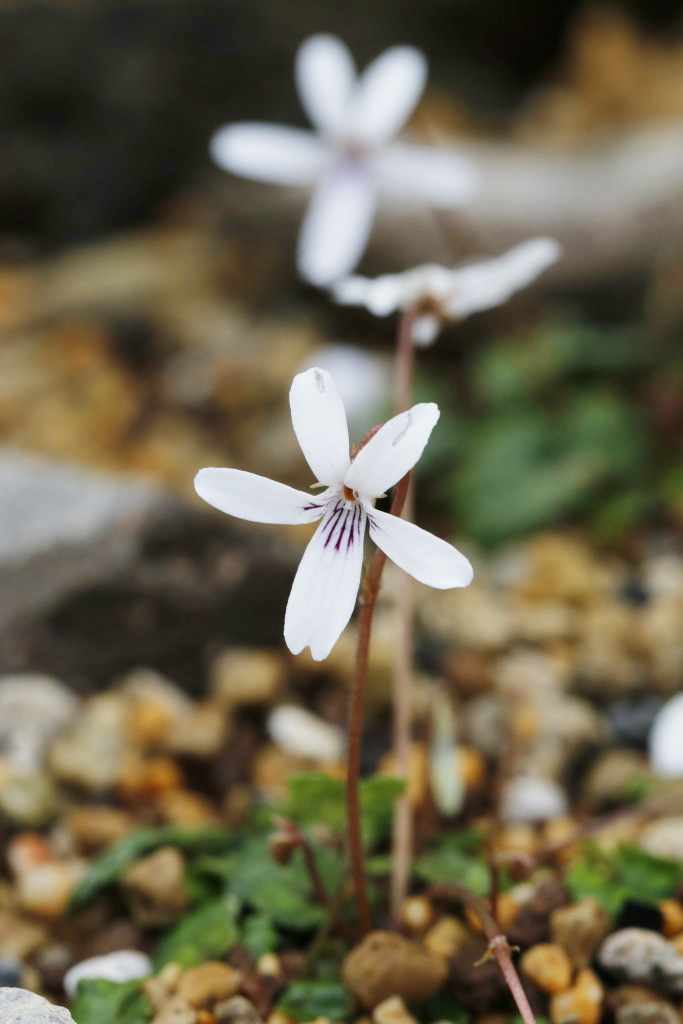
99	574
17	1006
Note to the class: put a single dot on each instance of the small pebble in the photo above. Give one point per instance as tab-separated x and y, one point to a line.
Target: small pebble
155	887
245	675
123	965
446	937
579	928
548	966
175	1010
581	1004
386	964
203	986
653	1012
672	916
303	734
417	913
636	954
664	837
666	749
531	798
392	1011
236	1010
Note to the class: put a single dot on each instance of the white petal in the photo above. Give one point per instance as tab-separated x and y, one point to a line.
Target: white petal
337	224
380	295
326	584
267	152
427	558
393	451
319	422
386	95
666	739
492	282
325	76
257	498
426	330
427	175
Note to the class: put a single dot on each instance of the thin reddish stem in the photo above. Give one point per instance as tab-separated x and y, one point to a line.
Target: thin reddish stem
367	602
498	943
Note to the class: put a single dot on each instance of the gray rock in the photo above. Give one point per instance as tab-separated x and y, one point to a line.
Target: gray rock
100	574
639	955
62	527
33	710
651	1012
17	1006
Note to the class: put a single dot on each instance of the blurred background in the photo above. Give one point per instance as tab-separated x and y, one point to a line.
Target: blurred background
151	321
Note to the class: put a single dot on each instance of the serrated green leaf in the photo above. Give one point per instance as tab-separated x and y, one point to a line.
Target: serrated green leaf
204	934
99	1001
281	891
310	999
318	799
628	873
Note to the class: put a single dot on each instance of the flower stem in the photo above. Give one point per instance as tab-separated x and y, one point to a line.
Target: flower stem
498	944
367	602
404	604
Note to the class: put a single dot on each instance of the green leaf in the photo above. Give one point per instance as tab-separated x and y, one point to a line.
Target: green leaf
281	891
628	873
317	799
458	857
109	1002
107	869
204	934
259	935
309	1000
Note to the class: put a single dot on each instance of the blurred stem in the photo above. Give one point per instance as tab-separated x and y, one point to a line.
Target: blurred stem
499	946
404	605
367	602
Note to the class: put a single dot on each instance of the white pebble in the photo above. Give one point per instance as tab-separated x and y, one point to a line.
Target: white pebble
123	965
666	739
298	732
531	798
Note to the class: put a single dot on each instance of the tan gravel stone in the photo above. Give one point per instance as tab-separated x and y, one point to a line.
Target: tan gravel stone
548	966
385	964
579	929
243	675
581	1004
155	887
203	986
446	937
175	1010
392	1011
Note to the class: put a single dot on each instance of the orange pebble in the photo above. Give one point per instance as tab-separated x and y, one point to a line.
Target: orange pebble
672	912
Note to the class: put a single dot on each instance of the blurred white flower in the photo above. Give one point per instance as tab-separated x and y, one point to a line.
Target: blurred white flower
326	584
441	294
666	739
352	157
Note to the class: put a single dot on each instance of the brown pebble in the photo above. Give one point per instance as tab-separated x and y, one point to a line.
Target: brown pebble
581	1004
417	913
385	964
580	928
446	937
392	1011
236	1010
175	1011
548	966
203	986
93	828
155	887
654	1012
672	913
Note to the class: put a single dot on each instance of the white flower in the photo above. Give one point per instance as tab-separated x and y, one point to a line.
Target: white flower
441	294
327	580
666	739
352	157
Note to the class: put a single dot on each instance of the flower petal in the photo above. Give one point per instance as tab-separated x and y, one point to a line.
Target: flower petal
319	422
392	451
337	223
257	498
326	584
325	76
268	152
380	295
427	558
428	175
426	330
386	94
492	282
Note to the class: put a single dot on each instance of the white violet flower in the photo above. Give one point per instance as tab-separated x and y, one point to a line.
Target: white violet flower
326	584
352	156
441	294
